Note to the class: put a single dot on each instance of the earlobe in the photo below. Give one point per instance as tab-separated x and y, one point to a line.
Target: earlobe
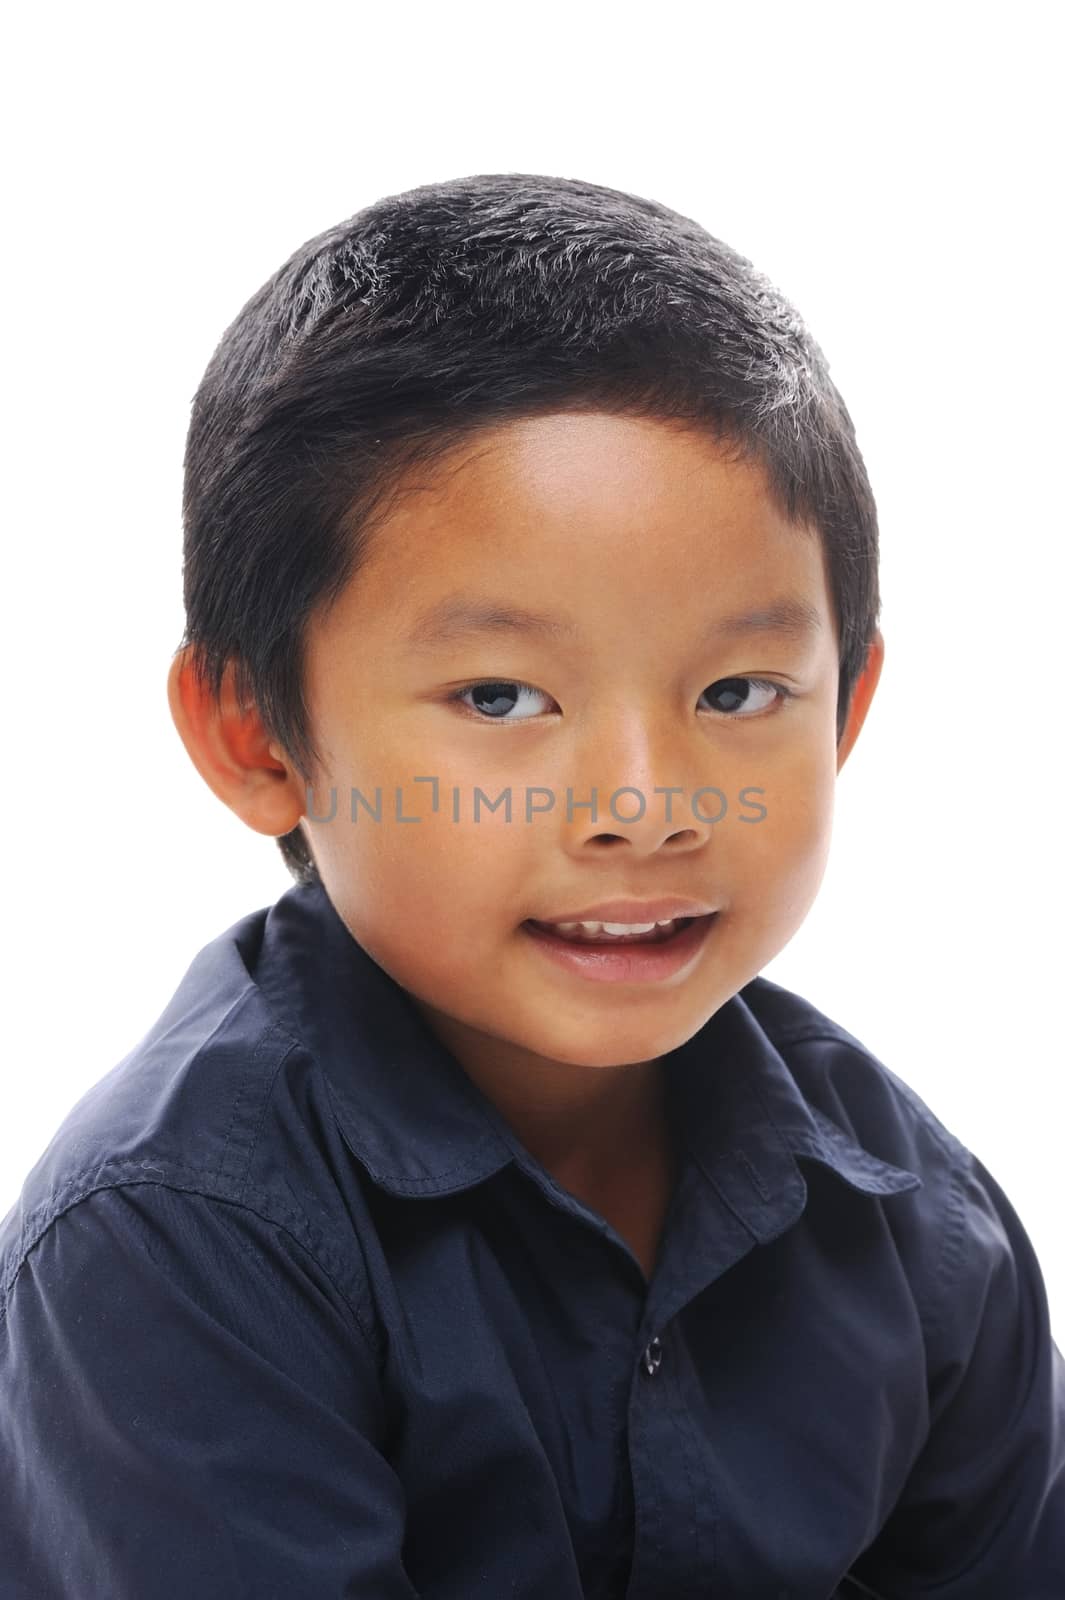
232	750
861	698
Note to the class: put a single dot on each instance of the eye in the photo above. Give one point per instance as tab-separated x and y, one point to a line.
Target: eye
494	698
736	693
497	697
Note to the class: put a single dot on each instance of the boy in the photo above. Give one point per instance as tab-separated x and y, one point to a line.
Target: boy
476	1221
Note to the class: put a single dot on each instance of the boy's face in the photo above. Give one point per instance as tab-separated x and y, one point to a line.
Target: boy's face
640	537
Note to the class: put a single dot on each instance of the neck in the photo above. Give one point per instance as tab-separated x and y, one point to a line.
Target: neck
589	1127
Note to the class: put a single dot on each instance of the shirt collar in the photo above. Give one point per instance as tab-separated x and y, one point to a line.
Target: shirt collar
421	1126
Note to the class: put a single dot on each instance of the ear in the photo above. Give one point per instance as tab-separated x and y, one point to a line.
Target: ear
232	751
861	699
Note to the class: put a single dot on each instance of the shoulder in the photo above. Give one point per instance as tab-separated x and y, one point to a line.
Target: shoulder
214	1111
994	1375
842	1078
948	1230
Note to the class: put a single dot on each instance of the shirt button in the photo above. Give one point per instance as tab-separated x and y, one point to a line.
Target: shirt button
652	1357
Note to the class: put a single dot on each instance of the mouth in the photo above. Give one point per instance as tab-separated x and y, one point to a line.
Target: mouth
624	958
595	933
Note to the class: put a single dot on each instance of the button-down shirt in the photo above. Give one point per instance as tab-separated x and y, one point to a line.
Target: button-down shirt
290	1313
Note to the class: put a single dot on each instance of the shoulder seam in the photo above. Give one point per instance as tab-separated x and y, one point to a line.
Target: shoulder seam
73	1194
273	1032
951	1250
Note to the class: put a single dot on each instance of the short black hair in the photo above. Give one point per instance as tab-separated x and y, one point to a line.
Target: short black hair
391	338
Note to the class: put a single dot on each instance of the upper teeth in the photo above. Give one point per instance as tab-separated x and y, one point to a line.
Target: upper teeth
612	927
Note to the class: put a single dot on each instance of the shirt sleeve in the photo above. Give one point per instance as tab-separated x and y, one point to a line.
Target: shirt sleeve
982	1515
189	1407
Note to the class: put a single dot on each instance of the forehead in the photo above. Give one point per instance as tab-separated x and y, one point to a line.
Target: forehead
585	517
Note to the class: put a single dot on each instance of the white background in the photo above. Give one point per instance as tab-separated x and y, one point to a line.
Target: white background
893	169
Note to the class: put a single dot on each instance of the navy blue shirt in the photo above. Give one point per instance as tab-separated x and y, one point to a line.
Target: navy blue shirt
290	1313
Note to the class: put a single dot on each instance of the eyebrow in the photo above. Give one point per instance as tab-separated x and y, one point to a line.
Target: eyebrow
460	617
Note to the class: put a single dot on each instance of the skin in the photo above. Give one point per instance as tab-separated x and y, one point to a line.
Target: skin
641	533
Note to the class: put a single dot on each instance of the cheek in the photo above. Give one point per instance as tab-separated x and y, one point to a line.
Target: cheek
433	873
434	902
787	848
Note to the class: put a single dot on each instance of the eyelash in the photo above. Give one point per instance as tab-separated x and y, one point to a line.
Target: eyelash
785	695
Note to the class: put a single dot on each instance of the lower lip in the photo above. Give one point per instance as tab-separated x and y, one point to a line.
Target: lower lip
625	963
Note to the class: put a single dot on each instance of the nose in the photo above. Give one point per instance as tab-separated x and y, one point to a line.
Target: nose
634	790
